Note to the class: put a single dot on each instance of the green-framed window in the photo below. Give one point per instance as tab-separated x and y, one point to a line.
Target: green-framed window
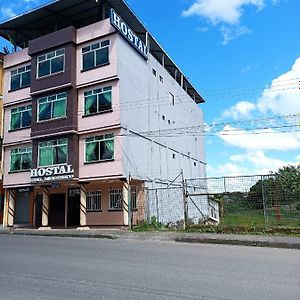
98	100
52	107
95	55
20	78
53	152
20	117
20	159
51	63
99	148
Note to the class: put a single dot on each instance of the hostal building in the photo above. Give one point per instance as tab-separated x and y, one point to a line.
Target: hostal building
90	100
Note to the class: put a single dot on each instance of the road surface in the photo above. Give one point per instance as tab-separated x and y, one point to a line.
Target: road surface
69	268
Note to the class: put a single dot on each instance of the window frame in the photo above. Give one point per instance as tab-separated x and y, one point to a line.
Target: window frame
20	73
116	192
94	50
92	194
29	151
50	59
21	117
134	198
97	92
52	106
93	139
51	141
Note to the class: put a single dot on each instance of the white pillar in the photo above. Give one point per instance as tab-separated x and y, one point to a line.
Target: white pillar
45	208
125	203
11	208
83	207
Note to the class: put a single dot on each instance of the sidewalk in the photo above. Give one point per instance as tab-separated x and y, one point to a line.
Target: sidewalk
204	238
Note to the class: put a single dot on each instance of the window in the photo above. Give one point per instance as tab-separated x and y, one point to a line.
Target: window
97	101
161	79
174	156
154	72
99	148
52	107
133	198
20	78
95	55
20	159
93	201
53	152
116	199
20	117
51	63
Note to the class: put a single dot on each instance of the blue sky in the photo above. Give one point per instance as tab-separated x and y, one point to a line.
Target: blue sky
244	58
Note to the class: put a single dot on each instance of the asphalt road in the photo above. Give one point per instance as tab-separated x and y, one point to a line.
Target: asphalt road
66	268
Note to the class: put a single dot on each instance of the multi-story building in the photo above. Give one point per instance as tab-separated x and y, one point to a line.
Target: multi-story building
91	103
1	137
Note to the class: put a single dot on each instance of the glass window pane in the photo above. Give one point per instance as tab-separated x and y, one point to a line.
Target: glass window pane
105	43
102	56
44	68
15	82
25	79
26	161
59	108
26	118
90	106
57	64
60	154
15	121
88	60
107	149
44	111
91	152
86	49
15	162
95	46
45	156
104	101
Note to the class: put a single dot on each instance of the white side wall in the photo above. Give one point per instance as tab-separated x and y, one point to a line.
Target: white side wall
146	105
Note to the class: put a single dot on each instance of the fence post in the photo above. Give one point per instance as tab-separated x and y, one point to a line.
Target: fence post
264	201
185	204
157	209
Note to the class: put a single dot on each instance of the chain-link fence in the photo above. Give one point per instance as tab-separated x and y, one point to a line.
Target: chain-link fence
254	200
237	201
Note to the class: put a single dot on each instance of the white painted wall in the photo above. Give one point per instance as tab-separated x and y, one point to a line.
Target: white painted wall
146	106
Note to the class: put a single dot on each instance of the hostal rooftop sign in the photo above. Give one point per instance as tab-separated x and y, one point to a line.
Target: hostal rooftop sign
128	34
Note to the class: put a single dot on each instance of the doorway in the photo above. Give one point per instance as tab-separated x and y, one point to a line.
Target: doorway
74	207
57	210
22	209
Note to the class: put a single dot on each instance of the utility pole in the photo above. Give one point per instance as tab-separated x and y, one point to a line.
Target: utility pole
129	203
185	206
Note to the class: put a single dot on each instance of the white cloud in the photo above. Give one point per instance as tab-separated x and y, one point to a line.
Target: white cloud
282	97
261	163
220	11
7	12
241	109
231	33
226	14
268	139
227	169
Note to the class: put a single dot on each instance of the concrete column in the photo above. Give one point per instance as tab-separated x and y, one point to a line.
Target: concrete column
11	208
83	193
125	203
45	208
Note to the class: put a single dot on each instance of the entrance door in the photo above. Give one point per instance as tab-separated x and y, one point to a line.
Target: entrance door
74	207
22	209
57	210
38	210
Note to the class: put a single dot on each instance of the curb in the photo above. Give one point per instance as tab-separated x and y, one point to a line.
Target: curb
252	243
63	235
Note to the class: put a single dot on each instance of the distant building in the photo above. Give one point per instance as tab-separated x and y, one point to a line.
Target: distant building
91	101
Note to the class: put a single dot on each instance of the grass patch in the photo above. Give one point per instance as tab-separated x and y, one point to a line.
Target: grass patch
244	229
